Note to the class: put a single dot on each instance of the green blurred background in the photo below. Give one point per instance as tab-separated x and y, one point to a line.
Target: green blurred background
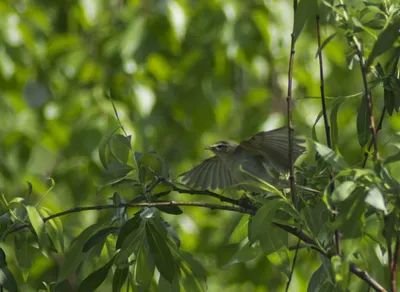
182	74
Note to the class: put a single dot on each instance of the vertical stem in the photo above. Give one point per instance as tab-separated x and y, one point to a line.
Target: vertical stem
289	113
393	266
368	97
290	133
327	127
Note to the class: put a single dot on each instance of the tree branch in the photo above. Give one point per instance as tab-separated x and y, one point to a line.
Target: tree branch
289	112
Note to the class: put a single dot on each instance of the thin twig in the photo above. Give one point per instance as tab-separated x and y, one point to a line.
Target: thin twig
293	265
139	204
366	277
200	192
289	112
327	127
366	154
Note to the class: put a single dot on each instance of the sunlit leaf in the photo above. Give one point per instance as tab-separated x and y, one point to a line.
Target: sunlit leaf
331	157
343	190
375	198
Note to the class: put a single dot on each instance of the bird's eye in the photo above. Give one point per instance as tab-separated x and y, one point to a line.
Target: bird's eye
219	147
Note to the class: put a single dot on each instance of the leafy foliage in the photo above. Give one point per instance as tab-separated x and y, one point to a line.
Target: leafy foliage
105	103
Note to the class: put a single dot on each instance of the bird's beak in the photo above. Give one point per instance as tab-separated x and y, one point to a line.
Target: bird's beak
208	148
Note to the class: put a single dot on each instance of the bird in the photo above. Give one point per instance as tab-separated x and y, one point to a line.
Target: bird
235	163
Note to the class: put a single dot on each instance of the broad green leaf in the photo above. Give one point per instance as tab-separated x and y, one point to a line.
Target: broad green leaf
363	131
37	224
7	280
54	229
195	266
238	229
246	253
104	152
161	253
165	286
97	237
375	199
331	157
384	42
317	280
305	9
272	240
75	255
263	219
119	278
115	172
94	280
343	191
129	226
143	268
173	210
393	158
131	242
120	147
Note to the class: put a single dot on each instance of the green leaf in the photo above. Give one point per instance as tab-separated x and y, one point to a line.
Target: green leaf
115	172
94	280
75	255
131	242
54	229
120	147
103	147
272	240
331	157
98	237
263	219
165	286
246	253
334	123
119	278
173	210
363	131
317	280
384	42
343	191
305	9
393	158
161	253
376	199
38	225
143	268
7	280
129	226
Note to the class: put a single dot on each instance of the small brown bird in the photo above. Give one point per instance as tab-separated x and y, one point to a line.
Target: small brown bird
255	155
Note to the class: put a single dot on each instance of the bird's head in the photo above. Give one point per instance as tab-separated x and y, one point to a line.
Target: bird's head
222	148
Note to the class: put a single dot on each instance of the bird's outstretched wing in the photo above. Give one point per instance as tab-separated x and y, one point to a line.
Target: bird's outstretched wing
211	173
273	146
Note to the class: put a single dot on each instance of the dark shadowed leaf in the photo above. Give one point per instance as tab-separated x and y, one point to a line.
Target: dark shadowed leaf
94	280
263	219
98	237
119	278
161	253
385	41
75	255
